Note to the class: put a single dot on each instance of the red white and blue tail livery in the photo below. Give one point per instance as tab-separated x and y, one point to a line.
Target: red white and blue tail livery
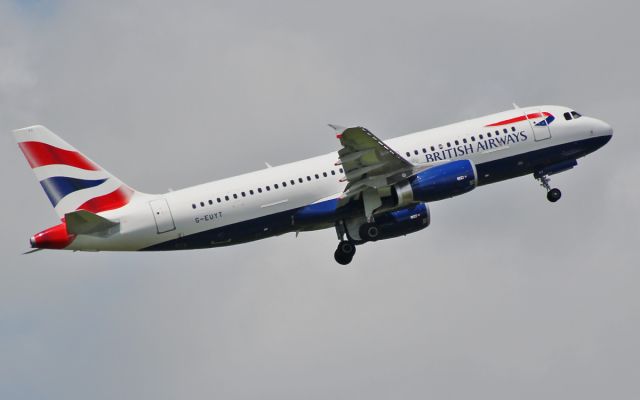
70	180
369	190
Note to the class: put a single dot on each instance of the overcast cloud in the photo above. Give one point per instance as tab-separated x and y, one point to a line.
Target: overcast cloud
504	296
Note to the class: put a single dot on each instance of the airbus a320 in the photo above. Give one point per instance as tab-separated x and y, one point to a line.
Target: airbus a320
368	190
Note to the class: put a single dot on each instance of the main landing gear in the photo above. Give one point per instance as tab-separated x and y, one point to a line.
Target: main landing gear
346	247
554	194
345	252
369	232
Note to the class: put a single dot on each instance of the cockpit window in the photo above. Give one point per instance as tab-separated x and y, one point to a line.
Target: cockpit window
567	116
575	115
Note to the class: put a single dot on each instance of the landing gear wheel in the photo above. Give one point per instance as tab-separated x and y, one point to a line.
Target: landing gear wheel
344	253
369	232
554	195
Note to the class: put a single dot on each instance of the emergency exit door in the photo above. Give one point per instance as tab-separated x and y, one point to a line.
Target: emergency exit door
162	215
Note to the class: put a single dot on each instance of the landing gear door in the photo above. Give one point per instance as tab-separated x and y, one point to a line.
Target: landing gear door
539	121
162	215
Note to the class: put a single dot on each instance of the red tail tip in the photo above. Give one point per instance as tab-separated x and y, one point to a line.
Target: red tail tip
55	237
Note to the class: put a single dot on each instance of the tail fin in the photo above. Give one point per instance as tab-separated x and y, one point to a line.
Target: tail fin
70	180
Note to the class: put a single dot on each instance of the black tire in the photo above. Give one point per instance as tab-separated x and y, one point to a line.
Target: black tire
554	195
347	248
341	258
369	232
344	253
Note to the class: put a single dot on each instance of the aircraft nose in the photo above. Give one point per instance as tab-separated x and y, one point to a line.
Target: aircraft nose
604	129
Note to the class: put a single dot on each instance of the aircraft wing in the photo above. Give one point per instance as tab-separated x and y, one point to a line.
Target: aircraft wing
370	166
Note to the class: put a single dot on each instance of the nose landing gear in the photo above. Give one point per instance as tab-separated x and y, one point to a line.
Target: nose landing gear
554	194
542	175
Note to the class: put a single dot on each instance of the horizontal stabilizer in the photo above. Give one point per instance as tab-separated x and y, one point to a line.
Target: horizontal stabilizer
83	222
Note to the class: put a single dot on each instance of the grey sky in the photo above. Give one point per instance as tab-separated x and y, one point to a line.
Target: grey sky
505	296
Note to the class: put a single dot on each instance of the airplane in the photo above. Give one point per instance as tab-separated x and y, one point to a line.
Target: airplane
368	190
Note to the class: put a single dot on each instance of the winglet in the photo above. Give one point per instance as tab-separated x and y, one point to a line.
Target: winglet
339	129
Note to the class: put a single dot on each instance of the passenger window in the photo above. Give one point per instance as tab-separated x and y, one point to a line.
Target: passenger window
464	140
218	200
268	188
473	138
489	134
424	150
324	174
259	190
300	180
457	143
504	130
226	198
341	170
193	206
433	148
415	152
448	144
243	194
481	137
210	202
408	154
513	129
333	172
250	192
567	116
284	184
235	196
275	186
308	178
317	176
202	204
292	182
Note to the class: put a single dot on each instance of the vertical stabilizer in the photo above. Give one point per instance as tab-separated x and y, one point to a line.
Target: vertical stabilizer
70	180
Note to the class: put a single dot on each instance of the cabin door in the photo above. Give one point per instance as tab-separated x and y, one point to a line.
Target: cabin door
539	122
162	215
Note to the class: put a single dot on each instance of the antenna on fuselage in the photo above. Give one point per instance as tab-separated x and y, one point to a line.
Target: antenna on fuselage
515	105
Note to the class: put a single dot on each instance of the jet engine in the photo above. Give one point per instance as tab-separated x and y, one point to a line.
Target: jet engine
396	223
437	183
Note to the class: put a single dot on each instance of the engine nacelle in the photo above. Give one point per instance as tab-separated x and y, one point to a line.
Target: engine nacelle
437	183
396	223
